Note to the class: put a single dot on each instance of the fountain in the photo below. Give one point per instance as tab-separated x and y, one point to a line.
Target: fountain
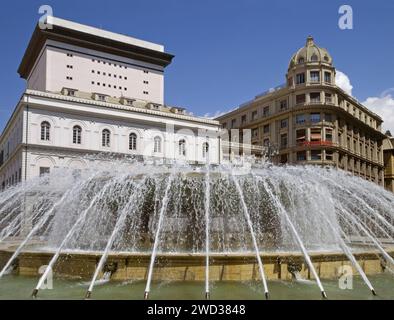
124	220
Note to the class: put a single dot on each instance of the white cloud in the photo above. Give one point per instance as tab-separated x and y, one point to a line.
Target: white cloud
384	107
343	81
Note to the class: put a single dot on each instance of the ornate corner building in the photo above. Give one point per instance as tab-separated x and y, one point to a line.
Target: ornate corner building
388	149
313	121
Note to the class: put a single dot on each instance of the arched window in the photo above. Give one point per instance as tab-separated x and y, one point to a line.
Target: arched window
314	57
77	135
132	141
301	60
157	145
205	149
182	147
45	131
106	138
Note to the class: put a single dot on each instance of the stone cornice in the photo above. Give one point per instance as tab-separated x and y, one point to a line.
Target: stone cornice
120	107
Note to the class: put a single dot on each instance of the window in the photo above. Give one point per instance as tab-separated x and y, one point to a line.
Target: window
315	76
254	115
255	133
283	105
328	97
45	131
301	136
328	117
315	134
300	118
283	140
328	135
205	149
314	58
233	123
266	128
283	158
182	147
243	119
71	92
132	141
315	155
327	77
301	60
300	98
329	155
77	135
101	97
266	111
44	170
301	156
283	123
315	96
157	145
106	138
300	78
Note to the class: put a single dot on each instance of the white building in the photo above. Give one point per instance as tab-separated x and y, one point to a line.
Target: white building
91	91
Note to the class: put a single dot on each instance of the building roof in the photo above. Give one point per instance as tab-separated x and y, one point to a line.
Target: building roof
310	53
91	38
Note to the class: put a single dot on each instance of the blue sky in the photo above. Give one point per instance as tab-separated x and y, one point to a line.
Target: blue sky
226	52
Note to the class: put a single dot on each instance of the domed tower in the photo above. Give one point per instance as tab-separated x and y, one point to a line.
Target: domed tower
311	65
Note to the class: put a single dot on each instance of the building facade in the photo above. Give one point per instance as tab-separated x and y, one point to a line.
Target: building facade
310	120
91	91
388	149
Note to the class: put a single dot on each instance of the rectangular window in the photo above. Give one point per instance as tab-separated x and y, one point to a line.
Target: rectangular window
283	105
283	140
300	118
315	117
243	119
266	128
300	98
300	78
328	97
101	97
329	155
315	134
233	123
266	111
301	156
44	170
328	135
254	115
255	133
315	155
315	96
301	137
328	117
327	77
283	123
315	76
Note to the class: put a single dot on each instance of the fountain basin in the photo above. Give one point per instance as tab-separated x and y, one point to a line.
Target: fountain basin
191	266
